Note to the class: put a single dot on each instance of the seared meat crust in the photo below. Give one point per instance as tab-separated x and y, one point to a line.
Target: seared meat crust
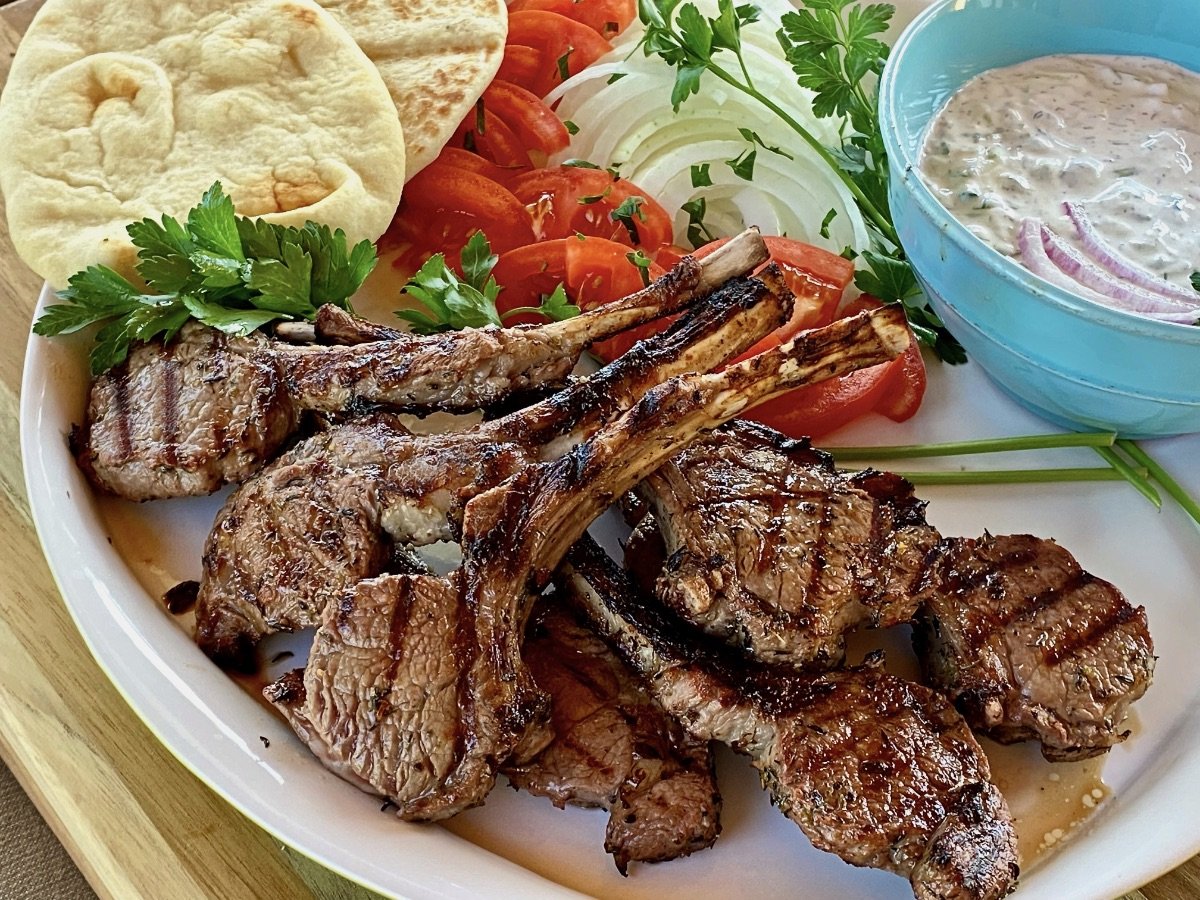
262	570
883	772
614	747
186	417
1029	645
772	549
434	759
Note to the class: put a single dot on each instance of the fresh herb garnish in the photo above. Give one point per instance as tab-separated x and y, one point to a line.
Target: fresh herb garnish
743	165
697	232
1132	463
833	49
571	127
452	302
1196	281
753	138
825	223
564	71
642	261
626	212
232	273
700	175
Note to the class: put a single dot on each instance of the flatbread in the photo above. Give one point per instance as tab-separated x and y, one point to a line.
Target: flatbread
435	56
117	111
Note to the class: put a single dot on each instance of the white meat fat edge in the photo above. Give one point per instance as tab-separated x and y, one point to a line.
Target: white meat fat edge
629	124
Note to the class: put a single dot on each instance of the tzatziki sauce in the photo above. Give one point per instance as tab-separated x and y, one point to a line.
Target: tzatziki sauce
1117	136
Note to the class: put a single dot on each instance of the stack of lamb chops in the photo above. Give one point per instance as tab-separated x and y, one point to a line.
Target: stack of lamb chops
415	687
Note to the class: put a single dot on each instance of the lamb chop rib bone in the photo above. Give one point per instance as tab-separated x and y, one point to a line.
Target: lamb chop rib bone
325	514
427	651
880	771
207	409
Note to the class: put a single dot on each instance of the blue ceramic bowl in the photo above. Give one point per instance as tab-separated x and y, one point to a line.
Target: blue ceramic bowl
1073	361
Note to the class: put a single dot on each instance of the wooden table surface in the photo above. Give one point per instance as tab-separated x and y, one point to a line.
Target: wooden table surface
134	820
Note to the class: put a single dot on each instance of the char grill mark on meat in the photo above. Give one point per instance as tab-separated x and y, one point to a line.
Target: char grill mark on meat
184	418
880	771
441	757
1029	645
614	747
379	484
206	409
770	548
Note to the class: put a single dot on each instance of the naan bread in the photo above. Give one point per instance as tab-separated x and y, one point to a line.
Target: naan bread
435	56
115	111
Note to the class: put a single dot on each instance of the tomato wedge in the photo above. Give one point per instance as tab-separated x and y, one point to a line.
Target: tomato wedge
444	205
607	17
816	410
564	44
529	118
592	270
521	65
569	200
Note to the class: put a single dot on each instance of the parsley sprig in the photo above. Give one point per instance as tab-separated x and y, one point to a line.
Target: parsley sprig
832	47
227	271
452	301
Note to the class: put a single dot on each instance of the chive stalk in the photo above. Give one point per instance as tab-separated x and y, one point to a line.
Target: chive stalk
1016	476
1138	478
985	445
1163	477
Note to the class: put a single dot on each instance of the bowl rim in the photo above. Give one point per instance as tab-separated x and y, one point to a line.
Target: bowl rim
904	168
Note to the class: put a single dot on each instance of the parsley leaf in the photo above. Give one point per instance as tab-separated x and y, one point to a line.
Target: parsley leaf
1196	281
629	209
452	302
697	232
224	270
743	166
642	261
700	175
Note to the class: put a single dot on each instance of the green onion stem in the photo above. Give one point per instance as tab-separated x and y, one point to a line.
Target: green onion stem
986	445
1139	478
1159	474
1014	476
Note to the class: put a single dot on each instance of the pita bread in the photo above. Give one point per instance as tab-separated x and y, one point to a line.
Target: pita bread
118	111
435	56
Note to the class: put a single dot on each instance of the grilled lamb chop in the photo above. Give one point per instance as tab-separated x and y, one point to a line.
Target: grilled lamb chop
880	771
415	684
614	747
770	548
1029	645
206	409
323	515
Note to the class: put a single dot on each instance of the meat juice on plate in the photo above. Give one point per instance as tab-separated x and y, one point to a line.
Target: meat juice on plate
1113	135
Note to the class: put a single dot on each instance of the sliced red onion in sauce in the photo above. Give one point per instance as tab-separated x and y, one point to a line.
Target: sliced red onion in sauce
1103	253
1032	240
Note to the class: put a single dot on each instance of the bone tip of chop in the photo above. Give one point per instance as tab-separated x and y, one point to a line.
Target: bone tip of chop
739	255
891	328
296	332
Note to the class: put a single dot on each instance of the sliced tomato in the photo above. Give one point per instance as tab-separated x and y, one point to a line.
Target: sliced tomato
593	271
817	409
607	17
567	200
566	46
529	118
521	65
907	387
473	162
444	205
495	142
